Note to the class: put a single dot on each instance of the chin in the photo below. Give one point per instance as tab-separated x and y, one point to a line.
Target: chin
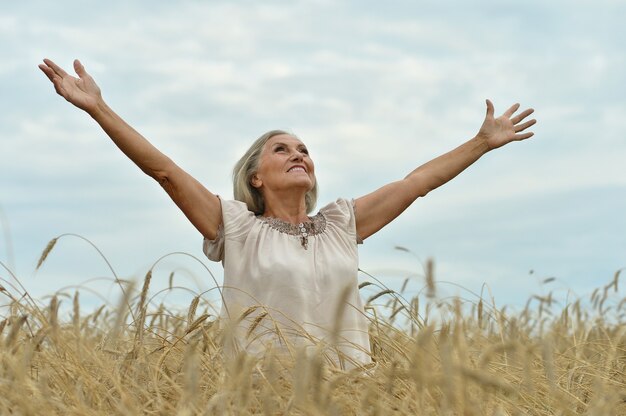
304	183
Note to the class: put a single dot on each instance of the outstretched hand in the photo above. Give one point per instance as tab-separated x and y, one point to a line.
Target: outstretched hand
507	128
83	91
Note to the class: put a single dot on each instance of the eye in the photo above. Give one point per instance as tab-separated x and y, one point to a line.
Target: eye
279	148
304	150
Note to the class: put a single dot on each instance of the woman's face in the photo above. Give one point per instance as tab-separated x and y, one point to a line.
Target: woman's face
284	164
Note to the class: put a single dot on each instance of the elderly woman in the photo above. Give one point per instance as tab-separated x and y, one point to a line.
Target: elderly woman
290	279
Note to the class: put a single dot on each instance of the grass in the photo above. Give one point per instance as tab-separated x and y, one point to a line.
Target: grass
432	357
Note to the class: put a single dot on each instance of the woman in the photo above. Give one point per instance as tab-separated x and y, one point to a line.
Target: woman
290	280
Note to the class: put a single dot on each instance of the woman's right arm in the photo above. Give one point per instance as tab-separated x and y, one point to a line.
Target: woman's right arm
199	205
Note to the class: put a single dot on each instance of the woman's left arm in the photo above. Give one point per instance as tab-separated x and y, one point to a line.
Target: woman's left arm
379	208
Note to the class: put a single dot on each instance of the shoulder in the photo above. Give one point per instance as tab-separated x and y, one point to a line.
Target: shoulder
236	217
233	205
340	212
237	220
340	208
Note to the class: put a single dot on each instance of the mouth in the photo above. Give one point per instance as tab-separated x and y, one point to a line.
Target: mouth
297	168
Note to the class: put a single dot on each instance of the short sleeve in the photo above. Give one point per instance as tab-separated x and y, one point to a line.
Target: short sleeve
359	240
236	223
342	214
214	249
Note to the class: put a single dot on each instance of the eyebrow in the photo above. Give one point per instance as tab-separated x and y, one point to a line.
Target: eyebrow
285	144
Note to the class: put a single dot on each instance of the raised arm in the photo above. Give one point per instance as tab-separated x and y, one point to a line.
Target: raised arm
199	205
377	209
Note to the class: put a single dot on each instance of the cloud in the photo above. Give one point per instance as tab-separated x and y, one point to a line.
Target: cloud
374	90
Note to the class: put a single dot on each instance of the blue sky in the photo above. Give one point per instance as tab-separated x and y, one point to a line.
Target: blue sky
374	89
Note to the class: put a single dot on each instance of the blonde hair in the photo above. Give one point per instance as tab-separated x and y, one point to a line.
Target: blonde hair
247	167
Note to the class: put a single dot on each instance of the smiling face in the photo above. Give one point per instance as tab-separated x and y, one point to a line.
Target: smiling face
284	164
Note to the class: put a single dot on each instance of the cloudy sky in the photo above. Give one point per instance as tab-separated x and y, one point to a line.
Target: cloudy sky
375	89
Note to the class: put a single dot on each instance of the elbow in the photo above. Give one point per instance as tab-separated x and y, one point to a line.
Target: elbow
419	189
420	195
423	192
163	179
161	175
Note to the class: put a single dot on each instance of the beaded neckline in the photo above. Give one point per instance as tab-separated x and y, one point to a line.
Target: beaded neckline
316	225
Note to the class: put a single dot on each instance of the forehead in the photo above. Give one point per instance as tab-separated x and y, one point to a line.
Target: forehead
287	139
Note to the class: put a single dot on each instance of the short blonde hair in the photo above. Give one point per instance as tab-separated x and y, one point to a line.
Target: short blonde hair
247	167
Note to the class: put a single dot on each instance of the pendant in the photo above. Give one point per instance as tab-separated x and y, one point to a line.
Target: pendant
304	236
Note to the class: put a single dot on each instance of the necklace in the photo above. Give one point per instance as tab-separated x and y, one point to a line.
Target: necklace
315	225
304	235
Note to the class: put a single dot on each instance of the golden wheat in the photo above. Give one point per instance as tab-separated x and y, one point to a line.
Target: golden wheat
451	357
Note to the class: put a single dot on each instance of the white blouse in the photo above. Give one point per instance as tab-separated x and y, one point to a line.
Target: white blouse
295	285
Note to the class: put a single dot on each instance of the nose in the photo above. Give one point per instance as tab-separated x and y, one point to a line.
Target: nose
297	155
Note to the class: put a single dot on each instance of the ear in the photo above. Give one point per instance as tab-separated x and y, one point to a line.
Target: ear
255	181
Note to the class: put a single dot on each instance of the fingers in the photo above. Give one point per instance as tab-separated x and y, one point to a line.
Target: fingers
57	69
79	68
522	127
54	78
508	113
49	72
55	74
490	109
521	116
523	136
511	110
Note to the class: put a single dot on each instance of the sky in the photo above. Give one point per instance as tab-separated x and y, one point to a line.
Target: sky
375	89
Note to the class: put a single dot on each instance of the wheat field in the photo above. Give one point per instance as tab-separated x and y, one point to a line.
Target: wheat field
433	356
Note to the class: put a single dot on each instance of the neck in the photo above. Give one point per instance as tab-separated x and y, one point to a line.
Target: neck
287	206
